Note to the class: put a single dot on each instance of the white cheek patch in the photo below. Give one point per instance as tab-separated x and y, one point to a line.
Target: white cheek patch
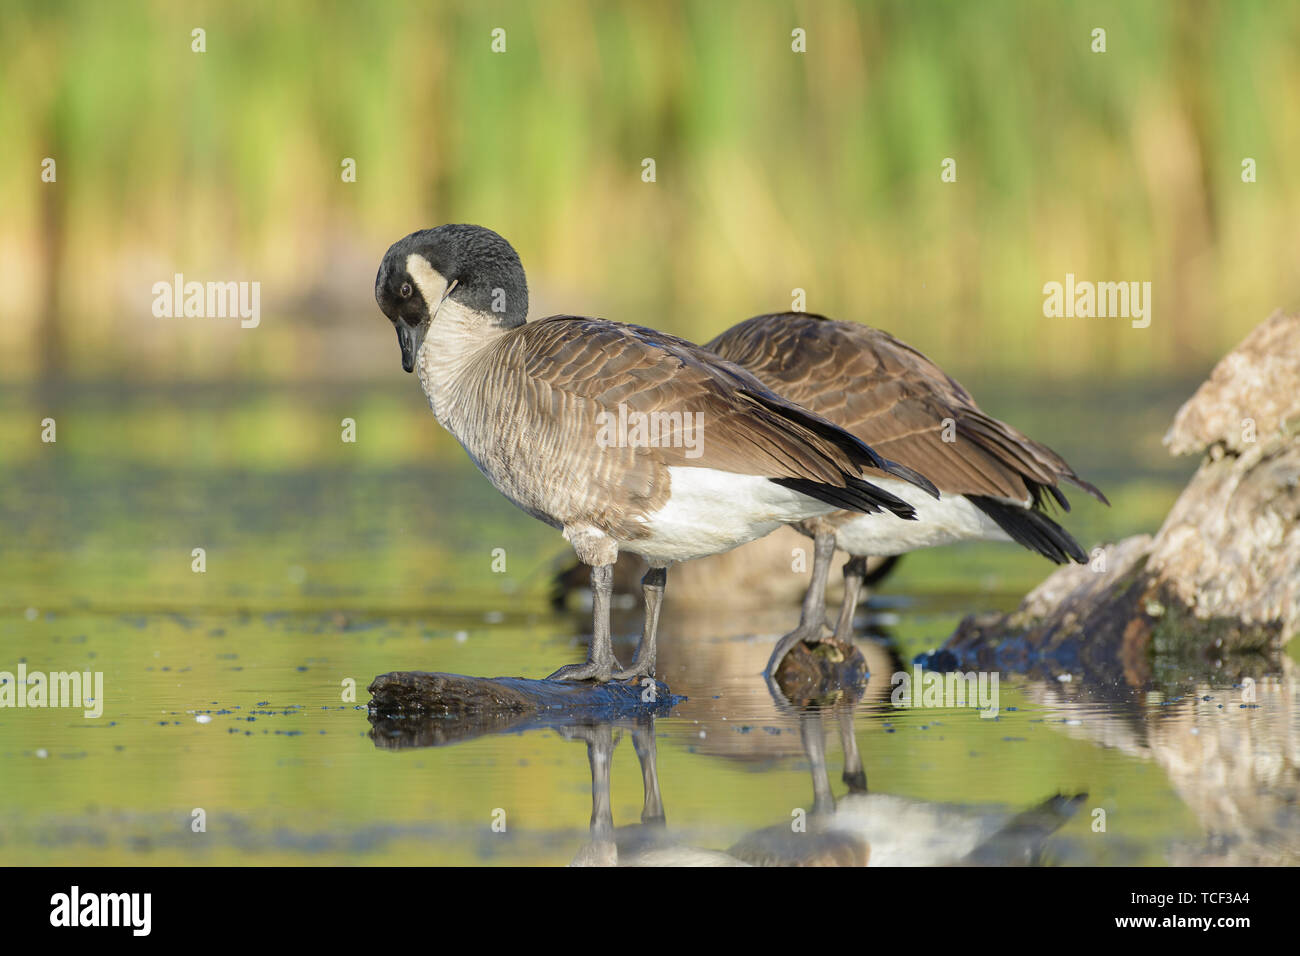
428	280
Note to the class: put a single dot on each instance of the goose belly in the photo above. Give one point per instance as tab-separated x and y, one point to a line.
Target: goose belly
711	511
520	487
945	520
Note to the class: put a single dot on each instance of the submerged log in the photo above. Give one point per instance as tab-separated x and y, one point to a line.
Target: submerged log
420	709
1222	576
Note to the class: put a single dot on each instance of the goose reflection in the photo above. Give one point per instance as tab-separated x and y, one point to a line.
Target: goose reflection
860	828
881	829
646	844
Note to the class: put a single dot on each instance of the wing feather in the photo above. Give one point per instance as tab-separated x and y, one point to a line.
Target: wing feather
894	398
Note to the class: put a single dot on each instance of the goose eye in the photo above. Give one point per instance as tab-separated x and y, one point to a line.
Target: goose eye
405	291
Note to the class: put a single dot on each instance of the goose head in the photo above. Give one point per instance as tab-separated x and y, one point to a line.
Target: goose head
470	266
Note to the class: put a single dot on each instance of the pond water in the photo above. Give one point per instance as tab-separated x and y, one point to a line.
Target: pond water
228	734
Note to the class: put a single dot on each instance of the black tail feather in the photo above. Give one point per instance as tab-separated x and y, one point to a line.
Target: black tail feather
858	495
1034	530
1038	492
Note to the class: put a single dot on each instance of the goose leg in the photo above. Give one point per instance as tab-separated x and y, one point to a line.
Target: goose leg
812	616
600	753
652	805
601	663
854	573
601	849
652	587
814	748
854	775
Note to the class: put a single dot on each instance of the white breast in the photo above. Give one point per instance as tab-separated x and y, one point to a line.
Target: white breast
711	511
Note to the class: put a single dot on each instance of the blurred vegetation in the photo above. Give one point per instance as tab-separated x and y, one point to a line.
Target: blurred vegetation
775	170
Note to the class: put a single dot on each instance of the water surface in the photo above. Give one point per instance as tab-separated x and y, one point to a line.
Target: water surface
325	564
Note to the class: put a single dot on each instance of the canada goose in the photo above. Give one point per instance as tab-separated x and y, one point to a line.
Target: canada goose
622	437
993	480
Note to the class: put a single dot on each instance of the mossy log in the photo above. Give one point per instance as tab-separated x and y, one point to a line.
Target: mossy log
416	708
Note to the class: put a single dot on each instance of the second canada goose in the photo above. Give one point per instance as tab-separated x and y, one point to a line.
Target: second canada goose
624	438
993	480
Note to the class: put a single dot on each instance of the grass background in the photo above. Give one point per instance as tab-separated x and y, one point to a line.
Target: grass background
775	170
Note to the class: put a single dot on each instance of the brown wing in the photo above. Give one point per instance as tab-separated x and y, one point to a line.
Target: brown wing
894	398
568	376
747	429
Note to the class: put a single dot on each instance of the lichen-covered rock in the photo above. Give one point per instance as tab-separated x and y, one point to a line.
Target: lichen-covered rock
1254	391
1230	546
1223	573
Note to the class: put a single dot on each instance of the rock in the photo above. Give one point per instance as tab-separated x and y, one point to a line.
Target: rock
1221	577
1255	387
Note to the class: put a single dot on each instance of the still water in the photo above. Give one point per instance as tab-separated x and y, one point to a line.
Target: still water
231	734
